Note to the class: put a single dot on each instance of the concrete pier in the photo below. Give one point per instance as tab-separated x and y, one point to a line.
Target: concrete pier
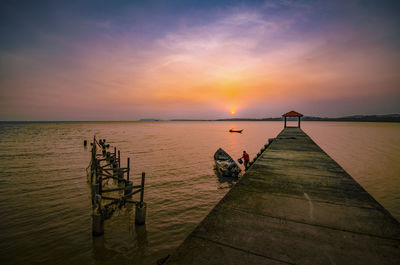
295	205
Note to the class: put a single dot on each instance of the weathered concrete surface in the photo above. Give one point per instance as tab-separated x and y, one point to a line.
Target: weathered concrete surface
295	205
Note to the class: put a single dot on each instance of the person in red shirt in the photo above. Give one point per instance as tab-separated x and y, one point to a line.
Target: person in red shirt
246	159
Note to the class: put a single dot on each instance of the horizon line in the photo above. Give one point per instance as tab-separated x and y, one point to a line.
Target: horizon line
219	119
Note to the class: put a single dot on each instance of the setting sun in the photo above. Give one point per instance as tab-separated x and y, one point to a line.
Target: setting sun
233	112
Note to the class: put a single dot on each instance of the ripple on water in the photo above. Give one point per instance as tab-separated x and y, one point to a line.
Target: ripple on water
45	199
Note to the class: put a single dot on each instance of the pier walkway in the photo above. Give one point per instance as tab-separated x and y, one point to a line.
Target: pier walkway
295	205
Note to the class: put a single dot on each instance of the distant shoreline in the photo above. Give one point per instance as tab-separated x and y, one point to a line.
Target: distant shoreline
360	118
354	118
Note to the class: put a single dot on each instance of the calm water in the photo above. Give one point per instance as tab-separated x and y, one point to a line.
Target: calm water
45	203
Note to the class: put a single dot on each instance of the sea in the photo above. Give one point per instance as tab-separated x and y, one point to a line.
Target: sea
45	202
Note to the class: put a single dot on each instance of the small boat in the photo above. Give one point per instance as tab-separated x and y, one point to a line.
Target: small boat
225	165
236	131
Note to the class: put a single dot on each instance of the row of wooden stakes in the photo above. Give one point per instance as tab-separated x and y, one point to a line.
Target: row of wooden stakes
106	166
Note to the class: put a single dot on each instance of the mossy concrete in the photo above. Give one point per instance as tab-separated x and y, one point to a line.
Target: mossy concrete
295	205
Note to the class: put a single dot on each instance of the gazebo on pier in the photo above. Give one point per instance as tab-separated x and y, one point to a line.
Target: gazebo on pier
292	114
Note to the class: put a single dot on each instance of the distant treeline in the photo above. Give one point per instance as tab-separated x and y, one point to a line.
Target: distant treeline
361	118
366	118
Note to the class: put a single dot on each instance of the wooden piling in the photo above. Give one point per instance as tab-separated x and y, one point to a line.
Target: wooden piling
121	179
100	181
119	158
97	224
128	188
95	191
140	213
128	169
142	188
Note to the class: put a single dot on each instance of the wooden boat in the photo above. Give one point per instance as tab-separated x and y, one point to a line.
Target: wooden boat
236	131
225	165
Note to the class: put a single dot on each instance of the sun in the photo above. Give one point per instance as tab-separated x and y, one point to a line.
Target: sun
233	112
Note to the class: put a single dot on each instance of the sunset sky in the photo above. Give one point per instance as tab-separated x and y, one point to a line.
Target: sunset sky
126	60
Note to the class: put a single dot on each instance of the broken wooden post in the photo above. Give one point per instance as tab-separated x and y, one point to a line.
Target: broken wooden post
97	224
128	188
128	169
100	185
95	191
121	179
97	218
140	213
119	158
142	187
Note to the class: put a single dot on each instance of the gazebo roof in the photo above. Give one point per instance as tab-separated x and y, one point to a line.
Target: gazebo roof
292	114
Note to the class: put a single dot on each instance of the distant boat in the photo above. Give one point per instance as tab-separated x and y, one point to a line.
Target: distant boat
225	165
236	131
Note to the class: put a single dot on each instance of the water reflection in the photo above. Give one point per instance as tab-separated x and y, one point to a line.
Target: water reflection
226	182
104	251
141	244
100	251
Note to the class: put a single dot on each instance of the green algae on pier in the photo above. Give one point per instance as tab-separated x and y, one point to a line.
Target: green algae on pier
295	205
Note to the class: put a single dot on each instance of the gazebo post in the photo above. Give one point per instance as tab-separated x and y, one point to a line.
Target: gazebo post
292	114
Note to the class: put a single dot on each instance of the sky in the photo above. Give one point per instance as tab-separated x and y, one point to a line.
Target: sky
127	60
